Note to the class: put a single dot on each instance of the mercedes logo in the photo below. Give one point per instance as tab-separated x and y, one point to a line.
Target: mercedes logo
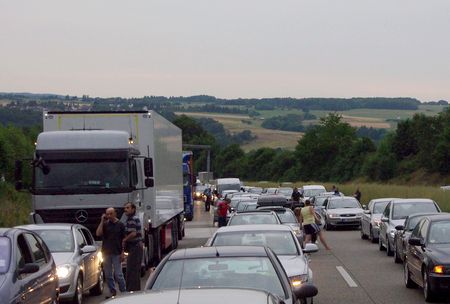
81	216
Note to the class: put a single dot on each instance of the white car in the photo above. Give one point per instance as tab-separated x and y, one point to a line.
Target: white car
312	190
371	219
280	238
342	211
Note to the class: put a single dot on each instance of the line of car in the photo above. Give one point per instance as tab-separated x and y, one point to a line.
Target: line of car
416	233
258	257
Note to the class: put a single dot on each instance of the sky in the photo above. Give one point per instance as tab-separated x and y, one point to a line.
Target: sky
227	49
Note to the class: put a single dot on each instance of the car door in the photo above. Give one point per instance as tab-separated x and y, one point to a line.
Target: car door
415	253
366	217
384	225
92	263
83	258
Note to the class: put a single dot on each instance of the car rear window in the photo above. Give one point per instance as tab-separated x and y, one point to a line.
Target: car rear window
378	208
251	219
402	210
5	254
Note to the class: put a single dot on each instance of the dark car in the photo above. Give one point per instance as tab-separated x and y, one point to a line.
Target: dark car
273	200
254	217
27	270
245	267
427	259
287	217
402	234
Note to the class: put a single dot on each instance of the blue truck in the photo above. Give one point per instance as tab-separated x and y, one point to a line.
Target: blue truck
188	185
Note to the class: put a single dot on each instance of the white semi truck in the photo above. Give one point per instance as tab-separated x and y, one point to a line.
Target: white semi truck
88	161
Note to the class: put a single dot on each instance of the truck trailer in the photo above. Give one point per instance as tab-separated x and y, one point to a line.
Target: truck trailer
86	162
188	184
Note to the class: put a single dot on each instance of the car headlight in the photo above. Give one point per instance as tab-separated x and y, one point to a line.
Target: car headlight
298	280
64	271
332	215
100	256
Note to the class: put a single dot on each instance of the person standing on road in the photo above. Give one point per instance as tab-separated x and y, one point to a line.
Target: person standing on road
208	198
112	231
357	195
134	246
222	210
308	219
295	197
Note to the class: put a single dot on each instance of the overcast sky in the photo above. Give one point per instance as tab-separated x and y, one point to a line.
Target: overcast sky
227	48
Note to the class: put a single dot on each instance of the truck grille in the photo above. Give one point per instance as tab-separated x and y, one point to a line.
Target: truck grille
90	218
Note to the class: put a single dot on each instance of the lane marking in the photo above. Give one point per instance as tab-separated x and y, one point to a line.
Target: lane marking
346	276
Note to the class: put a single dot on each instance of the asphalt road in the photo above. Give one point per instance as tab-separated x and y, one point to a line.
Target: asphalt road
354	271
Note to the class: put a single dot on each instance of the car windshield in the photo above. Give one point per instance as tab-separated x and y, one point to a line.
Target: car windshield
402	210
313	192
286	217
85	177
281	242
57	240
250	219
222	272
271	190
439	233
412	222
379	207
5	254
343	203
285	191
243	205
256	190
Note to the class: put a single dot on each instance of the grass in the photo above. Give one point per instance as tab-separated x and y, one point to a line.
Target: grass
14	207
374	190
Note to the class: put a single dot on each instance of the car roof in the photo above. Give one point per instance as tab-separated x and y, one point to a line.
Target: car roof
439	217
48	226
271	198
5	231
412	200
259	227
341	198
218	251
313	187
257	211
423	214
384	199
273	208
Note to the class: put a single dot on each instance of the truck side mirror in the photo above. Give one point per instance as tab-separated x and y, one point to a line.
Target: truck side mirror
18	175
148	167
149	182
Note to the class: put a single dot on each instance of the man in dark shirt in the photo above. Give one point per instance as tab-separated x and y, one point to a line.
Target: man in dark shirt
112	232
134	246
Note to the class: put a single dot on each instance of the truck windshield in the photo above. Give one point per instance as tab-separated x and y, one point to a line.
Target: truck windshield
83	177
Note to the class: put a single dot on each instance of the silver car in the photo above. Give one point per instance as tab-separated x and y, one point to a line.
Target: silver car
78	259
371	218
395	214
279	238
342	211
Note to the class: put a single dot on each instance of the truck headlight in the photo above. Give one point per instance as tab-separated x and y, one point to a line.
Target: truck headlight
298	280
64	271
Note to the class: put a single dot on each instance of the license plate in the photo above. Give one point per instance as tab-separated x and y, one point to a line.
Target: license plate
348	220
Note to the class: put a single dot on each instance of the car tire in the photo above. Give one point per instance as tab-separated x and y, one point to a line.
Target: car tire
78	296
427	293
409	283
389	251
380	245
98	288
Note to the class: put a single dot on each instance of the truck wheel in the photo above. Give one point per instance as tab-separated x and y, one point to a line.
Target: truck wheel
180	230
174	234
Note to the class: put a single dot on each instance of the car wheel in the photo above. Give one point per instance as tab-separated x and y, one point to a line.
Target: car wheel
389	251
427	293
78	296
380	244
409	283
98	288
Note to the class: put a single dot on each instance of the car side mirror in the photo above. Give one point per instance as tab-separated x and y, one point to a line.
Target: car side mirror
29	268
367	212
385	219
415	241
148	167
310	248
364	207
88	249
305	291
149	182
399	227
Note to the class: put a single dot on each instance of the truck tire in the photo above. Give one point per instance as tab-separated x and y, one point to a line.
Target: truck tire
174	234
180	232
